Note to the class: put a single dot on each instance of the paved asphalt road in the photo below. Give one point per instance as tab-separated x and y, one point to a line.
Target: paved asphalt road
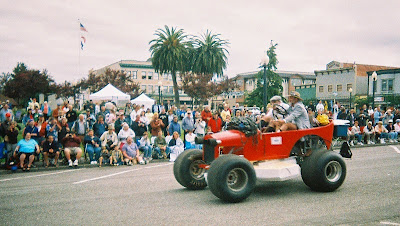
149	195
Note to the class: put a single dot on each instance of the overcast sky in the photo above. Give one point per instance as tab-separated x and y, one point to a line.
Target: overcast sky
45	34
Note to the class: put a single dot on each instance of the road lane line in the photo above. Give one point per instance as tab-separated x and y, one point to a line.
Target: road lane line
122	172
41	175
395	148
388	223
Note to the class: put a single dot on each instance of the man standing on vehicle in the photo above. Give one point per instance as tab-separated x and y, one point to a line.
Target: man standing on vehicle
297	117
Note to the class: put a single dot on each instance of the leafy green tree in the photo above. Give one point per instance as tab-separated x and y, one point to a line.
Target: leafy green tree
273	79
25	83
169	54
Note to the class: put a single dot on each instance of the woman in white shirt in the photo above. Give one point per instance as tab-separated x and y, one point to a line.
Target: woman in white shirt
124	133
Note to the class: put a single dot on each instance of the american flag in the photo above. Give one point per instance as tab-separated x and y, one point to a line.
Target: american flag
82	27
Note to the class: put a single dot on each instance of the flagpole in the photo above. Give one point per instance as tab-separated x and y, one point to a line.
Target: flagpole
79	49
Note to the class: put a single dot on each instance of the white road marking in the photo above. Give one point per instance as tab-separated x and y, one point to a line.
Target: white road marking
395	148
388	223
40	175
122	172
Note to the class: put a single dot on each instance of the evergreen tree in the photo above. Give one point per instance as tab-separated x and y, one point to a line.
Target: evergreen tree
273	79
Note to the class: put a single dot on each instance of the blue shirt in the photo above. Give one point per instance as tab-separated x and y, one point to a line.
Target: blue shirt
27	146
174	126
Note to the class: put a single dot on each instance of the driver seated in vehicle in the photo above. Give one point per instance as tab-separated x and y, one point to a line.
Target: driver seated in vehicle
278	112
297	117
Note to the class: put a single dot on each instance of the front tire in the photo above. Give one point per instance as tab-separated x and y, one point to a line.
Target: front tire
187	171
231	178
323	171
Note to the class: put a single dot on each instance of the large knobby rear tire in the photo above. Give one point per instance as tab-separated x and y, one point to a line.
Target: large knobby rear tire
323	171
187	171
231	178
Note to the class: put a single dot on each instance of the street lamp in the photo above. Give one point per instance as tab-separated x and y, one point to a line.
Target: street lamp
350	91
264	64
374	78
159	91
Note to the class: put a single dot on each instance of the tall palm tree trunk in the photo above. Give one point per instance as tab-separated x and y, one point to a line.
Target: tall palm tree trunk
176	92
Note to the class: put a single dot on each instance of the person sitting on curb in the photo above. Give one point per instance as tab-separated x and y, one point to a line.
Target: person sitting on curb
130	152
355	133
392	134
93	147
72	145
176	146
160	147
369	133
145	147
51	150
109	143
381	132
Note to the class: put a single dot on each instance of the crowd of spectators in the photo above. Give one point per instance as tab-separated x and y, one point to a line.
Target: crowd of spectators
106	134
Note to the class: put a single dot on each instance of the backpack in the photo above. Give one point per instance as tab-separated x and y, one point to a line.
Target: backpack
345	151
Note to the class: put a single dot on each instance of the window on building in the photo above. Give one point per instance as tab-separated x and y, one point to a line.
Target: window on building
150	89
295	81
150	75
134	74
143	75
165	89
169	77
156	88
156	76
387	85
171	89
349	86
143	88
390	85
339	88
329	88
321	89
165	76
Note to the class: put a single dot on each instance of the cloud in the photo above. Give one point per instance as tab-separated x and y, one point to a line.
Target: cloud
45	34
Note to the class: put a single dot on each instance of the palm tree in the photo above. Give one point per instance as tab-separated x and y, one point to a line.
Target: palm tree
169	53
209	55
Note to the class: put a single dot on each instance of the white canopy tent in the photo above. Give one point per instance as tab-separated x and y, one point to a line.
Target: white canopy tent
110	93
143	99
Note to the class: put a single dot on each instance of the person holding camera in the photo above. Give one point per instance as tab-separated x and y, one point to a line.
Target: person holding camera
138	127
72	145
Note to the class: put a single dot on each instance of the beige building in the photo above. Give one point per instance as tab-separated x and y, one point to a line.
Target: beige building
247	82
150	82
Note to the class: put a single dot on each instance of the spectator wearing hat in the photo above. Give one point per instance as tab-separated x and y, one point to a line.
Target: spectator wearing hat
297	117
369	133
392	134
381	132
109	143
215	123
277	112
387	116
187	125
72	145
119	122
